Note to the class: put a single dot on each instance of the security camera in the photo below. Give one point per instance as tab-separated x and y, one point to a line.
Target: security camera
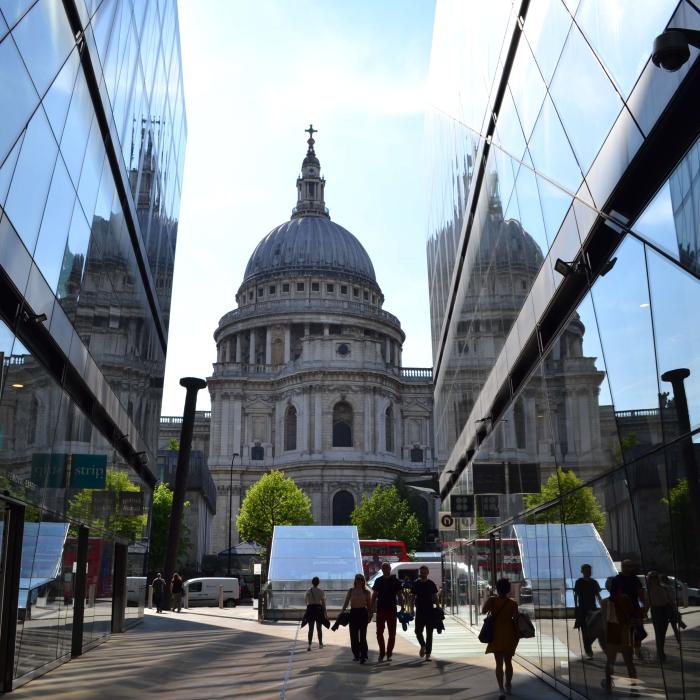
672	48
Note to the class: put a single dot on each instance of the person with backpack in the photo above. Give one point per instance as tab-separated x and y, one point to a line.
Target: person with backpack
503	611
425	595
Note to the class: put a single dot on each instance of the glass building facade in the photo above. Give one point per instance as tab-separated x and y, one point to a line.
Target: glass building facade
564	291
92	141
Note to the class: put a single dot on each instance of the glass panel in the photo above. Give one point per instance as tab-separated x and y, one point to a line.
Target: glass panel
73	262
551	152
621	302
77	128
675	295
44	39
30	183
589	111
546	28
670	219
14	9
608	27
18	97
527	87
54	226
57	99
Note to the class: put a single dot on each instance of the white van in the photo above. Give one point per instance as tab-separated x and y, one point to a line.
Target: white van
408	570
205	591
136	590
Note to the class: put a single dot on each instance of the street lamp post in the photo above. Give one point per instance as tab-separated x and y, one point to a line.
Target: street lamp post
230	510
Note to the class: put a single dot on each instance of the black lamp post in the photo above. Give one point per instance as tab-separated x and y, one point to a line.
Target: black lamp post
230	510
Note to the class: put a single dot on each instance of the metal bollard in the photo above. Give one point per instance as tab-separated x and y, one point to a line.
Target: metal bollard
150	596
221	596
187	597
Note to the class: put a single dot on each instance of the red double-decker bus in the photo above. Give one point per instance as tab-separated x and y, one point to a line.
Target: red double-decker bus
374	552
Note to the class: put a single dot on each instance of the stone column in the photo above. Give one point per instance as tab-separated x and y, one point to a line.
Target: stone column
326	329
268	346
304	422
227	350
236	420
238	348
368	424
225	423
251	354
318	423
379	432
387	349
287	344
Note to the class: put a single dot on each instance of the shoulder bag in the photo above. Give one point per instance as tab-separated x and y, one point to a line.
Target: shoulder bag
487	628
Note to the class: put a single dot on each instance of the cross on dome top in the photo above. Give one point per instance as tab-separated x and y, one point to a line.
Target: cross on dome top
310	185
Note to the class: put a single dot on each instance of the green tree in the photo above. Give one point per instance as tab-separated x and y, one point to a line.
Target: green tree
130	527
174	445
272	500
581	506
160	525
385	515
415	501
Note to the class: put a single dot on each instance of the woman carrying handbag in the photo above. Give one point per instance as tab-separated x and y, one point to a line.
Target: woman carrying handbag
503	634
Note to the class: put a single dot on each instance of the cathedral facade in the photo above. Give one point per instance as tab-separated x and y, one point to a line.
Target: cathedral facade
309	378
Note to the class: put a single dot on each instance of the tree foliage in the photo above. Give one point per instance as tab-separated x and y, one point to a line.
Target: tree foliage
385	515
272	500
130	527
160	526
578	506
174	444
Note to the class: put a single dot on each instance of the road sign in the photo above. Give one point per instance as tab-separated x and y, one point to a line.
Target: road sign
447	522
462	505
489	477
488	506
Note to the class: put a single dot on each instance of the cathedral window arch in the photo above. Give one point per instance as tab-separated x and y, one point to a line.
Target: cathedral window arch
290	428
389	428
342	424
343	505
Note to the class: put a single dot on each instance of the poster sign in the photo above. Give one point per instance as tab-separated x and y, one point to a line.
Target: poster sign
130	503
88	471
49	469
102	504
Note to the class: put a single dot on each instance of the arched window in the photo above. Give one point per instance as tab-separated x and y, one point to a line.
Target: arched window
343	505
389	429
290	428
342	424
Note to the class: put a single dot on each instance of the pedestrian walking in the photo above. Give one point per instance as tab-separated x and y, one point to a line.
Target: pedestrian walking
425	594
360	601
620	618
385	591
158	592
629	584
663	612
586	593
505	638
315	600
176	592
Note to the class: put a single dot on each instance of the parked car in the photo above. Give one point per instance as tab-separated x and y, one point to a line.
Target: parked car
205	591
408	571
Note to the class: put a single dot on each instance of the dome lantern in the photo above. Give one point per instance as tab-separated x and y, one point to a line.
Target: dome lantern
310	185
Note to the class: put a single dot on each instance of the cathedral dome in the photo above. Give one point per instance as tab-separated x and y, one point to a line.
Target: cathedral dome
310	243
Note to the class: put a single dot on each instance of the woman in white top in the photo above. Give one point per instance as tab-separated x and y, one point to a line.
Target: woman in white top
360	600
315	600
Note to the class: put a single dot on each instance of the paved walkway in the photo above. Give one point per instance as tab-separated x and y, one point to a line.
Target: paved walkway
211	653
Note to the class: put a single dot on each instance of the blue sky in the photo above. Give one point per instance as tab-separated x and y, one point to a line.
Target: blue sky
255	75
